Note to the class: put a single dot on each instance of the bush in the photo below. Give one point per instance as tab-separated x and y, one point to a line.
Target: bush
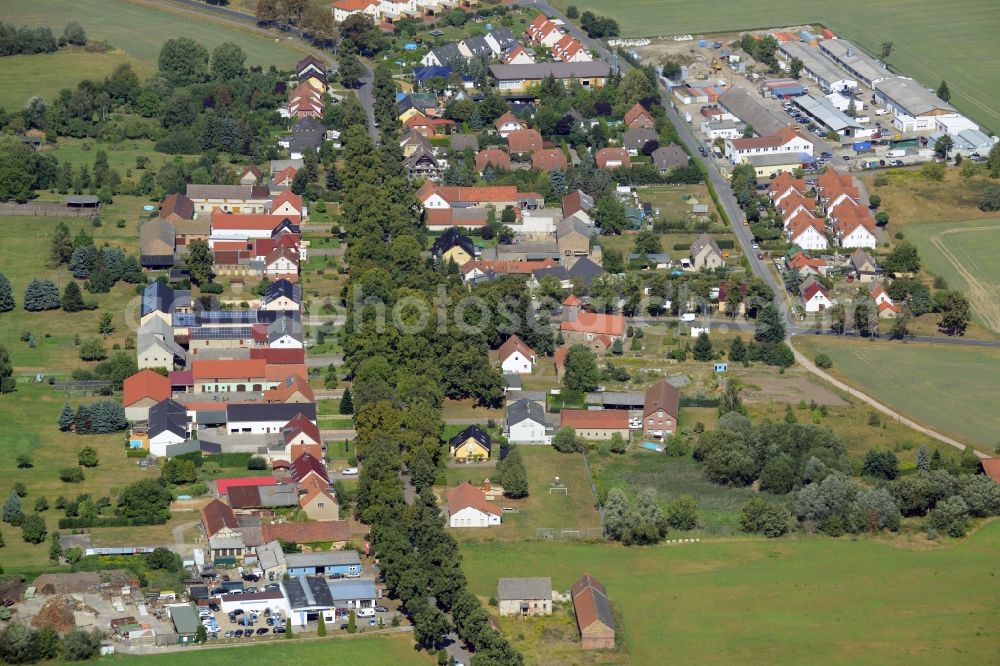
212	288
676	447
682	513
71	475
823	361
759	517
257	463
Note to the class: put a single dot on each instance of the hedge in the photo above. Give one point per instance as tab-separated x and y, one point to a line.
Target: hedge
726	244
109	521
682	246
698	401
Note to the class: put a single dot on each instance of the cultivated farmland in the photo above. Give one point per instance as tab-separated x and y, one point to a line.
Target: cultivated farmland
922	49
794	601
967	256
136	28
949	388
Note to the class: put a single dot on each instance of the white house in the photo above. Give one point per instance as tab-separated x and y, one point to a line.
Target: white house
785	140
722	129
285	333
526	423
516	358
853	232
807	233
814	296
468	507
168	427
265	418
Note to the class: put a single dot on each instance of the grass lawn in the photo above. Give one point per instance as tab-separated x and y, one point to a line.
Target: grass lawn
790	601
23	257
912	200
573	510
948	388
669	199
967	256
140	28
48	73
361	649
121	155
28	426
921	49
719	507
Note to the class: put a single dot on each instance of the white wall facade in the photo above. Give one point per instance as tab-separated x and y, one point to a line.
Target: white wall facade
528	432
517	364
471	517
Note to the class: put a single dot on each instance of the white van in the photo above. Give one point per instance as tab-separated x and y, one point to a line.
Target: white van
688	316
881	112
896	153
366	612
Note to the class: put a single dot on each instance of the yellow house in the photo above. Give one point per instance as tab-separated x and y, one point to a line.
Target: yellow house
453	246
409	113
470	445
316	82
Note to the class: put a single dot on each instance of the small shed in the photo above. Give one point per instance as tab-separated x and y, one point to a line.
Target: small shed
82	201
721	366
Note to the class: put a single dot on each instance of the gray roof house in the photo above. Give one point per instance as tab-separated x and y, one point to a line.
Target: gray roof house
475	47
705	253
525	410
637	138
524	596
669	157
738	102
500	39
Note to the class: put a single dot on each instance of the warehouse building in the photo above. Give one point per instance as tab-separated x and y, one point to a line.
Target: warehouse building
825	113
914	107
817	68
854	61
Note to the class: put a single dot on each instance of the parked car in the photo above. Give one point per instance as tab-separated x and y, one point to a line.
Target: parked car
381	609
237	611
350	471
279	630
252	577
366	612
214	607
238	633
897	163
372	622
506	509
262	631
228	634
343	627
827	154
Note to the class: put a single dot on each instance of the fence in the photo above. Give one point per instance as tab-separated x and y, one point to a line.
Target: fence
82	385
43	209
552	533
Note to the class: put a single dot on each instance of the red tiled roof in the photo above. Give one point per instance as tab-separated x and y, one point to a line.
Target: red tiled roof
179	205
779	138
783	181
216	515
605	155
508	117
278	356
571	300
991	467
306	465
524	141
145	384
637	111
506	267
662	395
181	378
440	217
467	495
485	193
560	356
800	224
276	373
250	368
316	531
547	159
287	196
312	493
515	344
811	289
292	384
594	419
315	450
498	158
285	175
594	322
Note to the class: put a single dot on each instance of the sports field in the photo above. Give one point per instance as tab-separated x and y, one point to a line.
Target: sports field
793	601
949	388
136	28
932	40
967	256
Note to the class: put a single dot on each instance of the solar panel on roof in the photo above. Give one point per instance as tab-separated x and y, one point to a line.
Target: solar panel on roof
222	333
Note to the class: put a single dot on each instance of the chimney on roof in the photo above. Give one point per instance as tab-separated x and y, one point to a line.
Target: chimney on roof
850	52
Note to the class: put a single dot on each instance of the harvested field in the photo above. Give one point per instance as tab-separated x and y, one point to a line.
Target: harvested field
791	390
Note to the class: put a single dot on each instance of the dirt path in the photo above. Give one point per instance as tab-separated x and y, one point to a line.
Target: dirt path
981	294
811	367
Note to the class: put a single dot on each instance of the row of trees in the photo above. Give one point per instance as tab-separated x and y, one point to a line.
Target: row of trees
27	40
21	644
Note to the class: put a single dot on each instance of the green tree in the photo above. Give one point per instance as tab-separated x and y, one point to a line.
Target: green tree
512	475
41	295
737	350
183	61
823	361
288	626
72	298
105	326
6	294
581	369
320	626
618	443
943	145
770	327
955	312
990	200
943	93
93	349
645	524
759	517
610	215
923	459
201	634
884	51
33	529
703	348
352	623
951	516
648	242
12	510
351	72
41	504
7	382
616	511
199	261
565	440
144	499
228	60
346	403
88	457
24	461
74	34
903	259
19	644
682	513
